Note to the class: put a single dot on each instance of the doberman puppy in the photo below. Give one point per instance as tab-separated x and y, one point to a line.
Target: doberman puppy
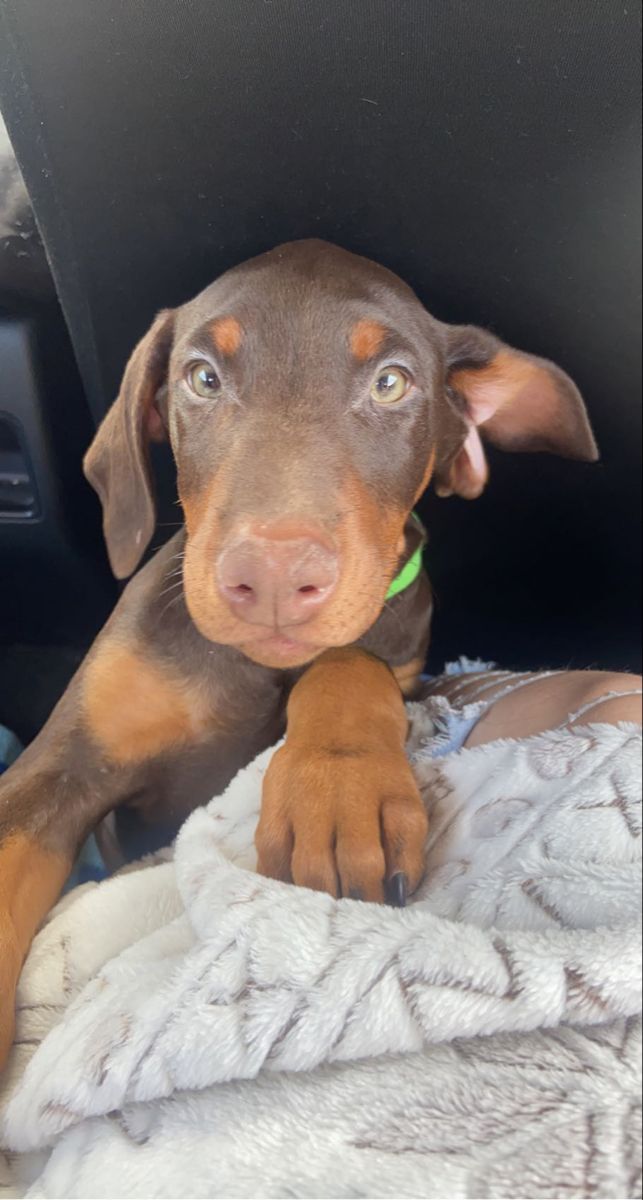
309	399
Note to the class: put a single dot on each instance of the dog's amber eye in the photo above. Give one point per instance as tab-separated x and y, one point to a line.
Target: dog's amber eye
391	385
204	380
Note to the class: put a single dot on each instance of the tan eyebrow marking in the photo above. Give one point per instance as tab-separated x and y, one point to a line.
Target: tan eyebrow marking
366	338
227	334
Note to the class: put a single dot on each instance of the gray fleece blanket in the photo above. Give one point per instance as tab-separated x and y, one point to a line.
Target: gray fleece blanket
190	1029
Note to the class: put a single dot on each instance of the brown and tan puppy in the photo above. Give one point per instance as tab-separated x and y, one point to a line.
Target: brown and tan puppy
309	398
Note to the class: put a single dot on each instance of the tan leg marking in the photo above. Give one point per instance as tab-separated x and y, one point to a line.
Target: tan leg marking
340	805
31	880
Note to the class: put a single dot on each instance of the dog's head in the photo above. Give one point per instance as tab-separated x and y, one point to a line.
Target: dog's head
309	399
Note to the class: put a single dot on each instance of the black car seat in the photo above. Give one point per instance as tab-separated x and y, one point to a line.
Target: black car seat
486	150
54	586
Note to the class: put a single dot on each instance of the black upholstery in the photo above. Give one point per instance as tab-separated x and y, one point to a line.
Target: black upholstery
487	150
54	585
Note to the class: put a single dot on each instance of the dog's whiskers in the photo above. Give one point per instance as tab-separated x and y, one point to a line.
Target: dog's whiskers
173	600
176	583
176	570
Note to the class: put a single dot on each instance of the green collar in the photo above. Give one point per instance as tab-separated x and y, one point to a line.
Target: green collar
410	570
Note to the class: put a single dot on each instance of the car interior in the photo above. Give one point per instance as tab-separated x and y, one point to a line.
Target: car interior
490	157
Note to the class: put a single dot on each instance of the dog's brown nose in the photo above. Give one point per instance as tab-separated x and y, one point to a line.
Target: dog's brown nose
275	580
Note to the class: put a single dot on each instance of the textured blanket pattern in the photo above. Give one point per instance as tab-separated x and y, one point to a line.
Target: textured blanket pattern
200	1031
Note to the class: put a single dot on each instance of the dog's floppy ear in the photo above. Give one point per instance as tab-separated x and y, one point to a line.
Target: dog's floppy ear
117	462
513	400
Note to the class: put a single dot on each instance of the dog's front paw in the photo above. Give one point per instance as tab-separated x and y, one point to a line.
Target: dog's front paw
346	821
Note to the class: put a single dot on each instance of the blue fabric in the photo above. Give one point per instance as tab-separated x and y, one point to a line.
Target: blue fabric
453	725
454	730
89	866
10	748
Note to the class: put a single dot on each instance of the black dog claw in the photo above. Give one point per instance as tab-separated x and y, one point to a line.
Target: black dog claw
398	890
